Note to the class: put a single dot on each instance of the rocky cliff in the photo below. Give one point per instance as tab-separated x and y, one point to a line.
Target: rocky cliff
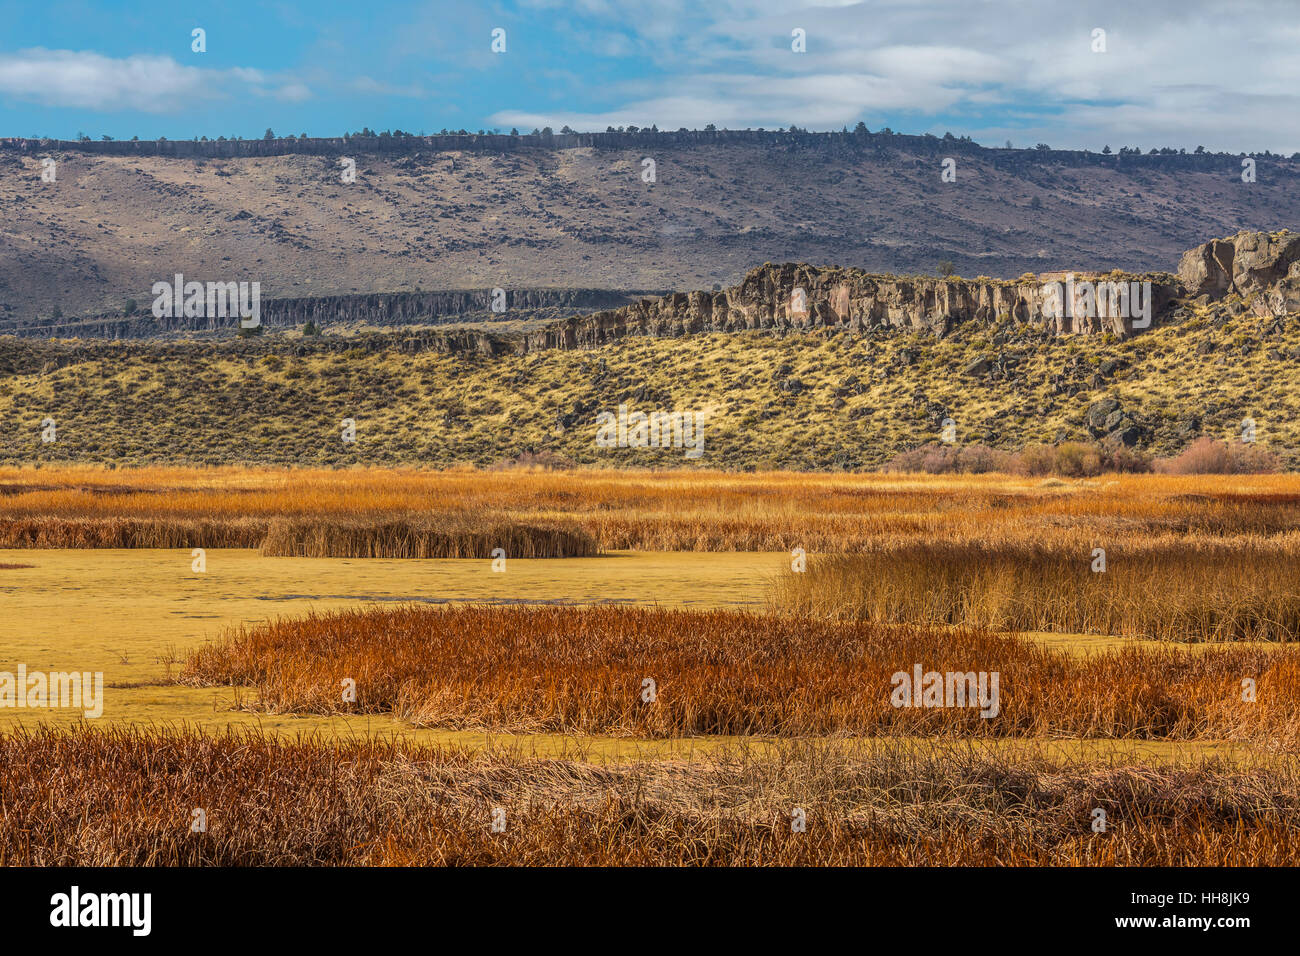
1260	270
791	297
1252	270
390	309
572	212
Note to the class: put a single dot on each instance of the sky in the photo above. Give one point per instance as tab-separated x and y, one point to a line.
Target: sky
1224	75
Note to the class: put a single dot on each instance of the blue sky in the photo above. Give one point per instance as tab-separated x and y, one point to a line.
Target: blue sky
1182	74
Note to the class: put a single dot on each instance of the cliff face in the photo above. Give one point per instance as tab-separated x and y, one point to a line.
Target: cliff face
398	308
780	297
1259	271
790	297
572	211
1262	268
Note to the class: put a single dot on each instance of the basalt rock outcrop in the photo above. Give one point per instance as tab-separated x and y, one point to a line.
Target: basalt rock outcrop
1259	271
1260	268
389	309
790	297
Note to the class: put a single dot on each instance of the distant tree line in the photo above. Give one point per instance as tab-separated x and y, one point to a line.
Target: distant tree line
546	135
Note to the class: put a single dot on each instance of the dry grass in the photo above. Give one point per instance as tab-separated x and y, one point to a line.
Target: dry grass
454	536
125	798
55	531
938	565
1245	589
458	536
582	670
369	511
805	401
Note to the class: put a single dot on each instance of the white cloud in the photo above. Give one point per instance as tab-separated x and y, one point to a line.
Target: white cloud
293	93
736	101
151	84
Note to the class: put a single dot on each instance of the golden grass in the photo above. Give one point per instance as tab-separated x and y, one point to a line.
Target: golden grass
54	531
384	511
584	671
1243	589
938	564
126	798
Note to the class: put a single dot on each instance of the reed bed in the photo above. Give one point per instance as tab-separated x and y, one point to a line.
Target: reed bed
53	531
459	537
622	510
584	671
1246	589
125	797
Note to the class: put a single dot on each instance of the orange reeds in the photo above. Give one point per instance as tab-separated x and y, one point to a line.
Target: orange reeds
236	507
660	673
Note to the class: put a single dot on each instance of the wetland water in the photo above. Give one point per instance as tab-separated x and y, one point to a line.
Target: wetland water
121	612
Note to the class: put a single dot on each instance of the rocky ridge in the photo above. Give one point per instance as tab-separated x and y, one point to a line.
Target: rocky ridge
1251	271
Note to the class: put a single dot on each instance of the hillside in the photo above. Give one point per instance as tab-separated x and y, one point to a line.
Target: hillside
873	366
809	400
457	213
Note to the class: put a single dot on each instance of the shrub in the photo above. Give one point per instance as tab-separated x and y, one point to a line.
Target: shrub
1070	460
980	459
1078	460
1206	456
1119	457
549	460
1036	460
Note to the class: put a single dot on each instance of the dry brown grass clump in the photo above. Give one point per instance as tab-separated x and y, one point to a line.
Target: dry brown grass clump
584	670
456	536
1247	589
125	797
56	531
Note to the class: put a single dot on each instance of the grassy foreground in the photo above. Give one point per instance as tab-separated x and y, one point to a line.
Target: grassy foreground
123	612
141	798
757	712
